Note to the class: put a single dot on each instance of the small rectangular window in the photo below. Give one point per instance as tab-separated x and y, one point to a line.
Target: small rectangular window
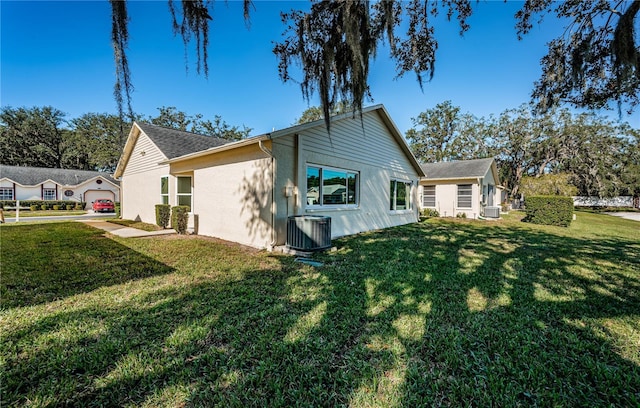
331	187
164	190
184	191
49	194
400	195
464	195
429	196
6	193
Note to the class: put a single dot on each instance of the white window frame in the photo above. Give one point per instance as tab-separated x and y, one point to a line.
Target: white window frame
425	196
46	191
393	204
3	196
179	194
321	204
164	195
470	195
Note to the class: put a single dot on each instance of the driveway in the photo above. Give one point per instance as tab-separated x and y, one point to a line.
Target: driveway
87	216
628	215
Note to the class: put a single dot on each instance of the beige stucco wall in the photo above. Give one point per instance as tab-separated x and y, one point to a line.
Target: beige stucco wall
232	195
447	195
447	198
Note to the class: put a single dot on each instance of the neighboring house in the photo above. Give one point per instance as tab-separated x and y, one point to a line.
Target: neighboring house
36	183
363	176
467	186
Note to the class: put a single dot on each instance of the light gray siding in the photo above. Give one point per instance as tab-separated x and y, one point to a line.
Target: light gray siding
369	149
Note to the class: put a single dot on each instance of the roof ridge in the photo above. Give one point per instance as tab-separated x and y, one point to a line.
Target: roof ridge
182	131
53	168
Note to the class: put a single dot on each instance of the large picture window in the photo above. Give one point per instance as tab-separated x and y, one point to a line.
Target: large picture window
429	196
184	191
6	193
464	195
164	190
331	187
49	194
400	193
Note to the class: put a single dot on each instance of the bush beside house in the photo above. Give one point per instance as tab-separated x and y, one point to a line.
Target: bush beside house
180	218
163	215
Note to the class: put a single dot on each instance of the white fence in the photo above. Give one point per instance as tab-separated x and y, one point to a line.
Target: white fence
621	201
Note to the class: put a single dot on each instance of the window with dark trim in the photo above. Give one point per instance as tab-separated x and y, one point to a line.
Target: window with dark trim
6	193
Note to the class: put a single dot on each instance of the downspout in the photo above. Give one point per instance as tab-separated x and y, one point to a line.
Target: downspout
273	191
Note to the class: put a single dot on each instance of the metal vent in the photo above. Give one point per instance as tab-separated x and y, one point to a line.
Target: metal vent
492	212
309	232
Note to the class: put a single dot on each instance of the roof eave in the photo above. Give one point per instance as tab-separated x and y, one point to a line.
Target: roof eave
217	149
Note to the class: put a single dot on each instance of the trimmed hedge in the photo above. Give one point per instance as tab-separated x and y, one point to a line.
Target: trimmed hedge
48	204
163	215
430	212
549	210
180	218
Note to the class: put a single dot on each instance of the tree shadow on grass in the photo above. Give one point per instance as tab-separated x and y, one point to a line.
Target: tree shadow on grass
46	262
439	314
497	316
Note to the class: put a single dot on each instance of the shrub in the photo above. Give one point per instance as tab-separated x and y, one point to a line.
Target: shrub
69	207
56	207
33	207
430	212
43	207
116	207
461	215
549	210
79	206
180	218
163	215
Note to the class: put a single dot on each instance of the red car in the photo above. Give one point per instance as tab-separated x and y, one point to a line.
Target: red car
103	205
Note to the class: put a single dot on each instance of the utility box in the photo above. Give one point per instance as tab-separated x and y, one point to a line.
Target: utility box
309	232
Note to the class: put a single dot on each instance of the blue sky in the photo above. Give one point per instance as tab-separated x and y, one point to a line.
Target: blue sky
59	54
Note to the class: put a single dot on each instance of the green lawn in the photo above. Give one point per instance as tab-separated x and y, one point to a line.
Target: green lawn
446	312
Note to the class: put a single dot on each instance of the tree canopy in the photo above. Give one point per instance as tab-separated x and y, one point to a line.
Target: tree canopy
598	157
595	62
46	137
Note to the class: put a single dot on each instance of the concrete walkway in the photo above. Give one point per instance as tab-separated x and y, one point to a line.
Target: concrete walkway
125	232
628	215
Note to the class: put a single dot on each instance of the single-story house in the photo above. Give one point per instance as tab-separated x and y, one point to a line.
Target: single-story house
471	187
37	183
362	175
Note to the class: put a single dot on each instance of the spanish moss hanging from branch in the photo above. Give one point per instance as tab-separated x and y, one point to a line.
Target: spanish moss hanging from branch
335	41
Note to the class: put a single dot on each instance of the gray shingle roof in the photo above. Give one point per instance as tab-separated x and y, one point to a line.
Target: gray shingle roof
457	169
32	176
175	143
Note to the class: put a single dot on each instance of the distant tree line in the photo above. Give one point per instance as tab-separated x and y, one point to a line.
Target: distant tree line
46	137
597	156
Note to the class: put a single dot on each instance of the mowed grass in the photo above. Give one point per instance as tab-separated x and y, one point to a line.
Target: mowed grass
442	313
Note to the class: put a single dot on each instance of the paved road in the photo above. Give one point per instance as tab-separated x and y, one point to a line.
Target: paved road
87	216
628	215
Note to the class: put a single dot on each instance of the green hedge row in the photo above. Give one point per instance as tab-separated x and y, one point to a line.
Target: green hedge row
178	215
43	205
549	210
163	215
180	218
